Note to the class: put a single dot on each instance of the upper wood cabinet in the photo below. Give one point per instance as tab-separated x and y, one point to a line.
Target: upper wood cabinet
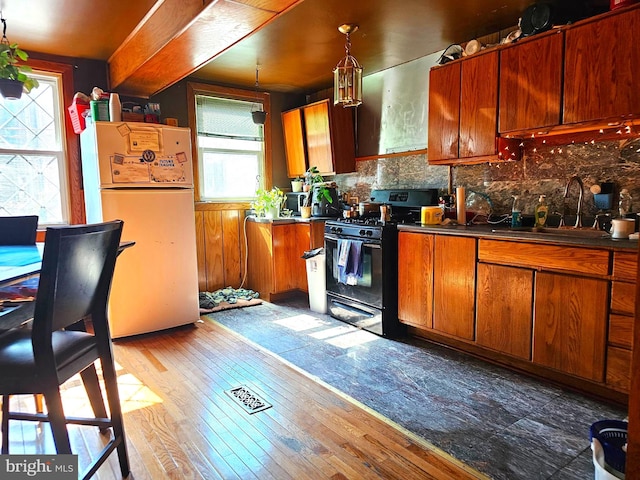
294	143
320	135
479	105
531	83
463	113
444	112
602	68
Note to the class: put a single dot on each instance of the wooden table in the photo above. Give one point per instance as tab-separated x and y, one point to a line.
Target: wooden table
18	263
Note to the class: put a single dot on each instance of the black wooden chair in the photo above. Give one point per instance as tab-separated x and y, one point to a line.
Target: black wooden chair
77	270
18	230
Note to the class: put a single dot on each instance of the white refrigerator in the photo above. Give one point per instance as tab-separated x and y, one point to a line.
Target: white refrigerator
142	174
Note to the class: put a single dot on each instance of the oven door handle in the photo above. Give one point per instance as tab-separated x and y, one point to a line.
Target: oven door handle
369	245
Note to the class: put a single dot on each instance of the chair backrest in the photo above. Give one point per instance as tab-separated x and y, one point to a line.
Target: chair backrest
75	279
18	230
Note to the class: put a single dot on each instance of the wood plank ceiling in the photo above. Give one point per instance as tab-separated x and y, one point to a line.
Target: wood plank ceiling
151	44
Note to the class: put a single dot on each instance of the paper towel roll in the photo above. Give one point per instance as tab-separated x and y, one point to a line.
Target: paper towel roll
461	211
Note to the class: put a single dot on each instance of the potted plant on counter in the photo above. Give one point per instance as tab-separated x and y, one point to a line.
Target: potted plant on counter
296	184
13	77
311	177
268	202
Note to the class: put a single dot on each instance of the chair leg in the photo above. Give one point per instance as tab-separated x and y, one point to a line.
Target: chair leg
5	424
92	387
111	387
57	420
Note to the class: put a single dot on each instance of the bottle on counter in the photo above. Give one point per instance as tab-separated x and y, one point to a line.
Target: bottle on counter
542	209
115	108
516	212
624	206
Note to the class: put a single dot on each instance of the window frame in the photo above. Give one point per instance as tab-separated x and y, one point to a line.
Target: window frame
194	89
70	141
61	153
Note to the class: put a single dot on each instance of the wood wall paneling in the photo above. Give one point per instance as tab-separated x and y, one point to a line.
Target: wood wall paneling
201	251
231	240
220	248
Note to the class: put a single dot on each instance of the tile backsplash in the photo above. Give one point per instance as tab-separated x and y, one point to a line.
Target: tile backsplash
543	170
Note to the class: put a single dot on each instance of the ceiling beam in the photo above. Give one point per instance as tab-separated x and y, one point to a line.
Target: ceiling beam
179	36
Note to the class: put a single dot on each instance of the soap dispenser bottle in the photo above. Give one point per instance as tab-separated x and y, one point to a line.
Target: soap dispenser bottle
516	213
542	209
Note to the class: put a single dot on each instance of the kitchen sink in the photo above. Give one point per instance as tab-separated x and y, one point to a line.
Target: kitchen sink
583	232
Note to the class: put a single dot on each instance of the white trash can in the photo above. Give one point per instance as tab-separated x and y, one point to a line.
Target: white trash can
316	280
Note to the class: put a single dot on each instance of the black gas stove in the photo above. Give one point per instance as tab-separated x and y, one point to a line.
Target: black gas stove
362	261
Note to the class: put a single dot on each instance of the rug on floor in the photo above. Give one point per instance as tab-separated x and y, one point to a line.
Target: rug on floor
227	298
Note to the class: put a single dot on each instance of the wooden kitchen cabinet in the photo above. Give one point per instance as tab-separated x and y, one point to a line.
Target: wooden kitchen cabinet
320	135
274	263
621	320
531	83
504	315
294	143
602	68
415	279
454	281
463	113
570	324
444	112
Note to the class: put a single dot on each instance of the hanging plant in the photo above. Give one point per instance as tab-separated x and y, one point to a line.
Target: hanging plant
13	74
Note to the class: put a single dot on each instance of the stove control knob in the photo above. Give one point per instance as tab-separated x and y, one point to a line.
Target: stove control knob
339	230
362	232
369	232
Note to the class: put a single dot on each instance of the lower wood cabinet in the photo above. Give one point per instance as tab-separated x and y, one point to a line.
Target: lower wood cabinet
570	324
504	312
275	264
621	321
555	310
454	281
415	279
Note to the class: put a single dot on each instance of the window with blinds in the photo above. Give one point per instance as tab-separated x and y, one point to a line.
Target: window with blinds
230	149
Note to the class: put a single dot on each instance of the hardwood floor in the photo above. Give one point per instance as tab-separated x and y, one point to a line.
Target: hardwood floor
181	424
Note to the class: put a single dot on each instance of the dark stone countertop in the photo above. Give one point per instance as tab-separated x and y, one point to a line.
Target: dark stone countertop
285	220
549	236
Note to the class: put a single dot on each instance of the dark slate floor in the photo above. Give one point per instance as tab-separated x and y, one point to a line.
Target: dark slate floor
505	425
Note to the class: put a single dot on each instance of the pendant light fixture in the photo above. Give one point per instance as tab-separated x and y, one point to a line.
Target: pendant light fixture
258	115
347	76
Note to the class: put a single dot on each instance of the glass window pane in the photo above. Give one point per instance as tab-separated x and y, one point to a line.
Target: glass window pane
33	183
230	146
30	185
229	175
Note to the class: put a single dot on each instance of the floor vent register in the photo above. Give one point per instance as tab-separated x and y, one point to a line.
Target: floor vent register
248	400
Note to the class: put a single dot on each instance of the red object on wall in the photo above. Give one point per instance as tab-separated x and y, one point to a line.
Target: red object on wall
621	3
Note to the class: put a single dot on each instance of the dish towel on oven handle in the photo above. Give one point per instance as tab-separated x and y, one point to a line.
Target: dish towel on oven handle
349	261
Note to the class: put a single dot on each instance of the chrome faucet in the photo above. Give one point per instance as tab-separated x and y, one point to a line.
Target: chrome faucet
578	180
